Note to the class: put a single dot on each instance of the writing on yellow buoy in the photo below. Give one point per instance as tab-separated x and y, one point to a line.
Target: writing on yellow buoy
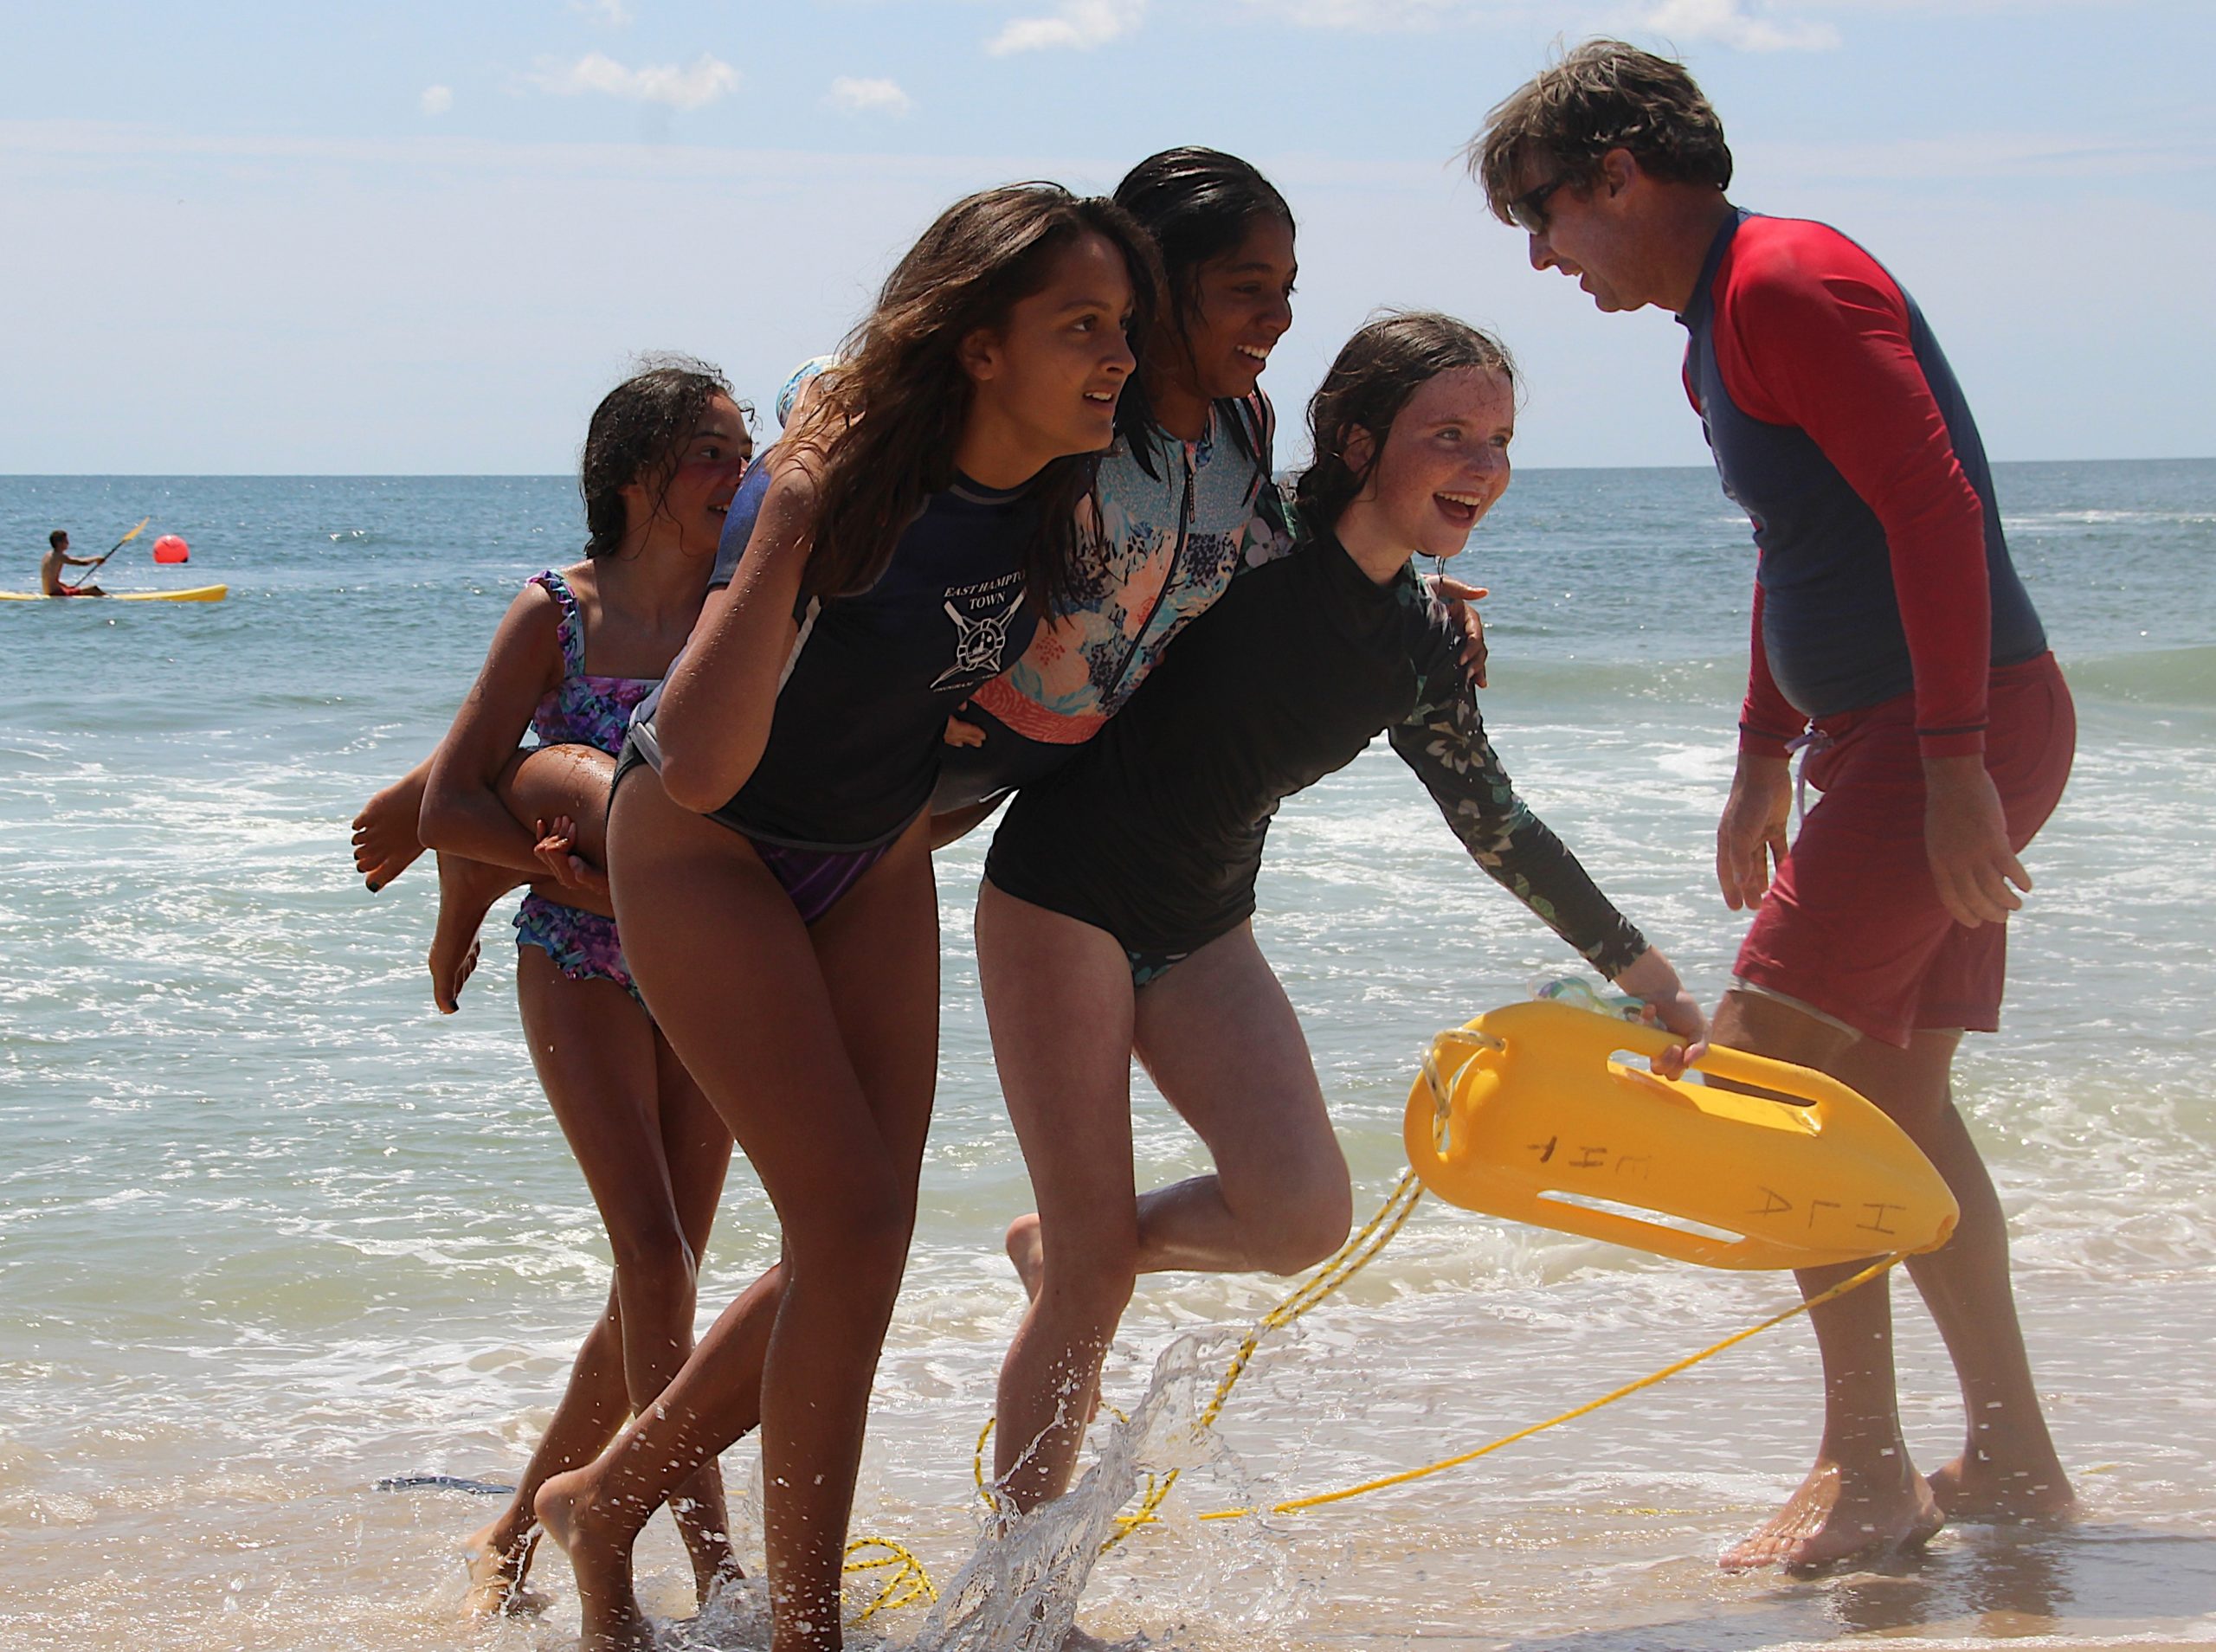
1526	1114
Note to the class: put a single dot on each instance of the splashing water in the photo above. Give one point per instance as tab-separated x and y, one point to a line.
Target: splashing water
1019	1591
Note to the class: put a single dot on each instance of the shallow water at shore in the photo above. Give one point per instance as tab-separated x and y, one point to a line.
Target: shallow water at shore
270	1230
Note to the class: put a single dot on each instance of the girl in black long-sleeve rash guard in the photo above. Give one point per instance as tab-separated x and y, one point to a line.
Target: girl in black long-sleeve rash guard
1138	862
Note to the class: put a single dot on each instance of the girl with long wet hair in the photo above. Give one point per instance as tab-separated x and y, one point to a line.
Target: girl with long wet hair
767	837
1116	918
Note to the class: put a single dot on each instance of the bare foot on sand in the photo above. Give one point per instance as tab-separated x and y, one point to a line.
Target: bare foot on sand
1974	1487
467	890
1831	1520
385	840
497	1564
1029	1252
611	1619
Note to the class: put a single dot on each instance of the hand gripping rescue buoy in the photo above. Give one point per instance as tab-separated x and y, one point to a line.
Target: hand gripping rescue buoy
1525	1114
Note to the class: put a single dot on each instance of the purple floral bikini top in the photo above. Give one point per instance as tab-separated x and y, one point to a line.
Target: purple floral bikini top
583	710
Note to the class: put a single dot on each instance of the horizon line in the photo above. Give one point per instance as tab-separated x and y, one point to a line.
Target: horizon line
569	476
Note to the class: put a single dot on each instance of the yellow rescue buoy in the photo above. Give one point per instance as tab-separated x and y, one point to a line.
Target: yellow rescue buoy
1540	1124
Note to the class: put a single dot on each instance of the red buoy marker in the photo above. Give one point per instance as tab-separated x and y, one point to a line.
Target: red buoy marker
170	548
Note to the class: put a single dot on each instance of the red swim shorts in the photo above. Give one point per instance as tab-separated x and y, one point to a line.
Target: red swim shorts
1852	928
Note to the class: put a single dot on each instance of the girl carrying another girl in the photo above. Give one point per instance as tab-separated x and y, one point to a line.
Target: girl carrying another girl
1185	500
767	844
1115	919
577	651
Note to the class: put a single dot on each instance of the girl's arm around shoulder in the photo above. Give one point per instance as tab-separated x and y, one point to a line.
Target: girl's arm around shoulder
713	721
462	813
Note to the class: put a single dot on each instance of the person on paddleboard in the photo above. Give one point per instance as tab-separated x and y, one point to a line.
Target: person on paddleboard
57	557
1892	641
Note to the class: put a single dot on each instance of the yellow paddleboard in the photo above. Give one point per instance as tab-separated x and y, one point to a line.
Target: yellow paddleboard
198	594
1541	1125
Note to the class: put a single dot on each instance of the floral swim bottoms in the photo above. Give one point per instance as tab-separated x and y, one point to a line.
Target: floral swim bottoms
583	945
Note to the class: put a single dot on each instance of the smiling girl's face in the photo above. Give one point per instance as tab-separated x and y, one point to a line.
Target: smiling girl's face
1444	463
1243	305
699	483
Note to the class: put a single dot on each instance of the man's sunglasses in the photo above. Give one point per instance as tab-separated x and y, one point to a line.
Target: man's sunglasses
1528	210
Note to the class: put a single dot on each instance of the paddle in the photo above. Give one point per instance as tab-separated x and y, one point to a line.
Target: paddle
92	567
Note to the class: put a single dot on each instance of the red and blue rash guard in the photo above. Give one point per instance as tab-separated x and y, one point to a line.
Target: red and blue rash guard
1838	427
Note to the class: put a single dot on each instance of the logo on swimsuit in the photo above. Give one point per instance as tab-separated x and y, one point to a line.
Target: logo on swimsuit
979	642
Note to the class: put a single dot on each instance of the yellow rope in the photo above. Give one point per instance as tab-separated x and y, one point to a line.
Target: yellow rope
911	1582
1403	1478
1351	1259
907	1586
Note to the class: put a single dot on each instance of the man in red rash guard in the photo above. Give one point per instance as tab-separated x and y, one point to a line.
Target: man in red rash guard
1893	638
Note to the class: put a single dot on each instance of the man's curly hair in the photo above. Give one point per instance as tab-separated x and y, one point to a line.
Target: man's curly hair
1600	96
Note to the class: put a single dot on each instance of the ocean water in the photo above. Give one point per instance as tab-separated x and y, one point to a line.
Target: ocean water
271	1230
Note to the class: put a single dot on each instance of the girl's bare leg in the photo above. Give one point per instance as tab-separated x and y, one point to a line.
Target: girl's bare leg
386	842
467	890
1058	998
592	1407
537	785
1222	1042
1223	1046
565	780
674	1152
697	1146
551	779
818	1048
603	1065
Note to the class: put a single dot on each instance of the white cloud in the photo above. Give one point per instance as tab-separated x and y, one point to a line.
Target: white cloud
869	97
1746	25
708	79
1367	17
436	99
1079	25
1728	23
613	13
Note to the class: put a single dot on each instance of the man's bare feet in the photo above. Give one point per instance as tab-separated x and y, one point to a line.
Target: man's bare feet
467	890
1977	1488
1833	1519
1029	1252
497	1564
600	1561
385	840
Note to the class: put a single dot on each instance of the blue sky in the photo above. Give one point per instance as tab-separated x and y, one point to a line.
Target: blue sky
417	237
